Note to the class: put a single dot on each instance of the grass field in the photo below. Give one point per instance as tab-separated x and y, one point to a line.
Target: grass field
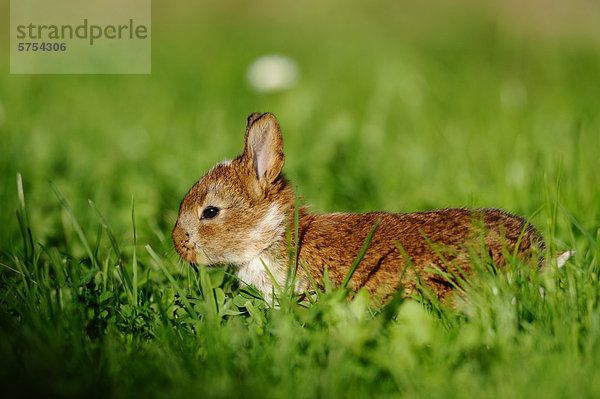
399	107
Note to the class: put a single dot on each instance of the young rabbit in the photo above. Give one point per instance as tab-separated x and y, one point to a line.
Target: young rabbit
239	212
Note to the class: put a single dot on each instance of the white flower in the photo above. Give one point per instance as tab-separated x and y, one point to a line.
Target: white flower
271	73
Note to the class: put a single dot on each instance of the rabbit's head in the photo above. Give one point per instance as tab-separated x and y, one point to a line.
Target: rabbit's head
239	208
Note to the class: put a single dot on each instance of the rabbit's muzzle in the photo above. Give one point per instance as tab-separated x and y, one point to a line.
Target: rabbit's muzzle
184	247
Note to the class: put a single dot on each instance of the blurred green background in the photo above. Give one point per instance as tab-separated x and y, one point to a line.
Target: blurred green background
400	106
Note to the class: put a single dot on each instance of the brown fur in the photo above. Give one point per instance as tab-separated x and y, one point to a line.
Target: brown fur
256	208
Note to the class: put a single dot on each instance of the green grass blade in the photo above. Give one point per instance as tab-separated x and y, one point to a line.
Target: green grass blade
255	314
209	292
134	284
111	237
25	226
275	284
296	243
311	278
123	275
527	224
171	279
360	255
326	280
579	226
78	228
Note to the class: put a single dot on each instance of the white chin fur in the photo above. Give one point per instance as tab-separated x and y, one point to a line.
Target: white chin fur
255	273
268	230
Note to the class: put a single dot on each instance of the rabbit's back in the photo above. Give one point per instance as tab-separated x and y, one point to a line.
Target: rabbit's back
407	247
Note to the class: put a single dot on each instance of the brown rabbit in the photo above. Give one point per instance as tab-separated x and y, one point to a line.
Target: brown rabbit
238	214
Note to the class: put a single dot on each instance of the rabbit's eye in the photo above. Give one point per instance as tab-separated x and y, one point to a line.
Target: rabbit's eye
210	212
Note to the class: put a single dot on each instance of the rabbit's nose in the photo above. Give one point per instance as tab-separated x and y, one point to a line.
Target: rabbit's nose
180	240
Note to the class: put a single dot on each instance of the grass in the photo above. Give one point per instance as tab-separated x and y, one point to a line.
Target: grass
399	107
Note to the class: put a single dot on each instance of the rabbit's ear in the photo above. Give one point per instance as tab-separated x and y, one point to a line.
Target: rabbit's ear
254	116
264	146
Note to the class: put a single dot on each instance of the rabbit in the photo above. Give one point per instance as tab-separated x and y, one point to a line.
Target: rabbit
241	213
